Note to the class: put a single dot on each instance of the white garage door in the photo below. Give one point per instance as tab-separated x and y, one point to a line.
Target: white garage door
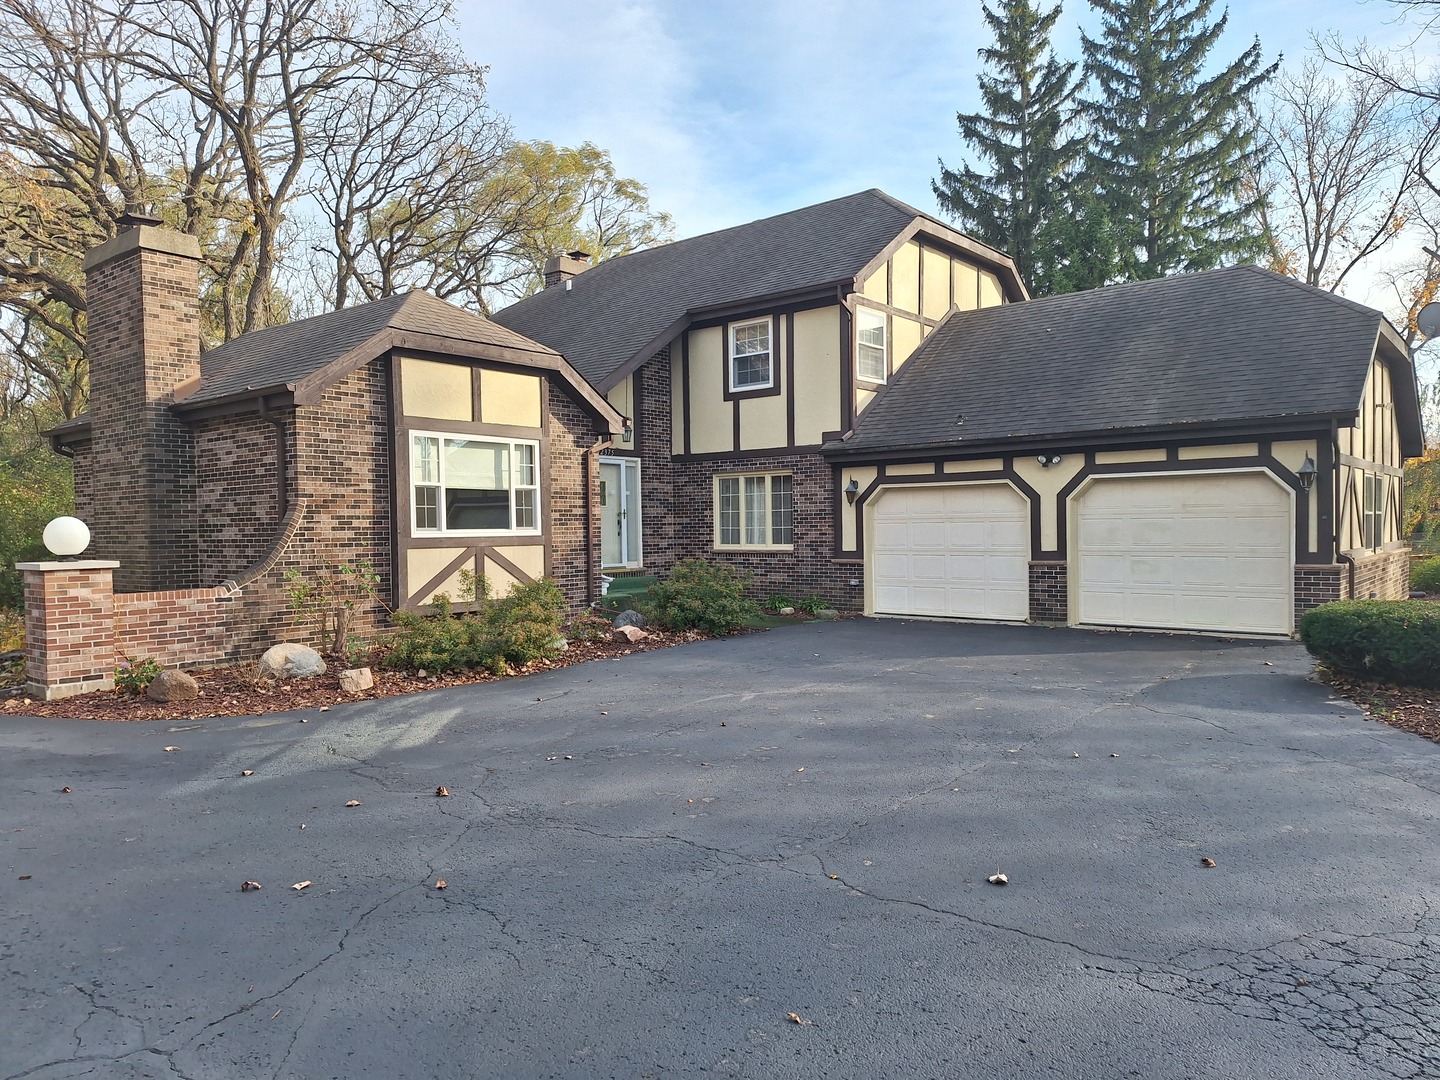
958	552
1186	553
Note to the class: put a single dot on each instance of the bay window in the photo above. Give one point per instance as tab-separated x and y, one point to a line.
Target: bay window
465	484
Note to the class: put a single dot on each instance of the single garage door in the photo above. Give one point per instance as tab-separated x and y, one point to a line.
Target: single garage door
1186	553
958	551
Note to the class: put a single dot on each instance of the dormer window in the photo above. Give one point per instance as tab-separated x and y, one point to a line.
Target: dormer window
752	365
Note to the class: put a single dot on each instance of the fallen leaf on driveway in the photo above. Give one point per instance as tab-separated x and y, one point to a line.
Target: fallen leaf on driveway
1208	863
171	749
1077	754
25	877
64	791
353	802
800	769
440	883
998	879
301	885
250	886
248	772
834	877
442	792
796	1018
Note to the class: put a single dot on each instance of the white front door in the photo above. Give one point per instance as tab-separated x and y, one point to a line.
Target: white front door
620	512
950	551
1185	552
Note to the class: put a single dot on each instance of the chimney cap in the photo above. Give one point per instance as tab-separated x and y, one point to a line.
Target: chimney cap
138	214
582	256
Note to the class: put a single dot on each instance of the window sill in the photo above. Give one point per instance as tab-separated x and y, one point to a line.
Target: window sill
740	548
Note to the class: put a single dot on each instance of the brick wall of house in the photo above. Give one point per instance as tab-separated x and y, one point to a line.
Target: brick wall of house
1381	575
1316	585
1049	592
571	434
82	466
657	479
143	341
237	493
809	568
174	628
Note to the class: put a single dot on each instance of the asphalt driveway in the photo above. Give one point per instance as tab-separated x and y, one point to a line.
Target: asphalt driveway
650	862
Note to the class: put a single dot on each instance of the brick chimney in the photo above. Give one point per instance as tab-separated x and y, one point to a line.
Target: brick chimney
143	316
560	268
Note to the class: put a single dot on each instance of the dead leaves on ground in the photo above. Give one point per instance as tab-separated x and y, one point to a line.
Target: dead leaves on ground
442	792
441	883
301	885
998	879
796	1018
1208	863
171	749
250	886
353	802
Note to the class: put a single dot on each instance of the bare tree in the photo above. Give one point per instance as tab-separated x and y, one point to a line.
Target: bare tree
1339	174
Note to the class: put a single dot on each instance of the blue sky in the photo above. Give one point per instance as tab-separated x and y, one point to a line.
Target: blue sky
730	111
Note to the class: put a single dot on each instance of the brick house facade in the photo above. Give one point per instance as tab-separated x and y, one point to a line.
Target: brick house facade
208	479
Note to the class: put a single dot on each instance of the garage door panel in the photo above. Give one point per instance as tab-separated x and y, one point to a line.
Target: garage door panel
1185	552
960	551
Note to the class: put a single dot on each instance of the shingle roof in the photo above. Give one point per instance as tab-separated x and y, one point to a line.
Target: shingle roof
1230	345
286	354
617	308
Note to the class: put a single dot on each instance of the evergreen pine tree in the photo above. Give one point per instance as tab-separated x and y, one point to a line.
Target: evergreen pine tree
1023	134
1172	146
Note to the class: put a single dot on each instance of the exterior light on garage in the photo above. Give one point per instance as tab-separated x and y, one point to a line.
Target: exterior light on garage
1306	475
1049	459
851	490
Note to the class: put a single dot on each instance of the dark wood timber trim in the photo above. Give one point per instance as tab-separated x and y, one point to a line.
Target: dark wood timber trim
790	378
684	389
505	564
412	601
1366	465
767	452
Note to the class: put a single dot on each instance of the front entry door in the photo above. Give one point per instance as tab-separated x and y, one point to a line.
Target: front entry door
620	512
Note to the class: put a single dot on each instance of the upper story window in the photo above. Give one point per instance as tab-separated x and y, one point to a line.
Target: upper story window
1373	518
752	363
871	354
461	484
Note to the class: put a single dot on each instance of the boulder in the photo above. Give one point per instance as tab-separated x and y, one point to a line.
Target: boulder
631	634
629	617
355	680
291	661
171	686
787	611
826	613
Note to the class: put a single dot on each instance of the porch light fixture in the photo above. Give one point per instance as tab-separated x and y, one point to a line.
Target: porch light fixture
1047	460
628	431
66	537
1306	475
851	490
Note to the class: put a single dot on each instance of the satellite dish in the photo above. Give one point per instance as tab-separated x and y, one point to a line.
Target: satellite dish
1428	320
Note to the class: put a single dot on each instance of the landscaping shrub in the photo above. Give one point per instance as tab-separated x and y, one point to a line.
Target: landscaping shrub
134	675
516	629
1425	575
701	595
1395	641
778	601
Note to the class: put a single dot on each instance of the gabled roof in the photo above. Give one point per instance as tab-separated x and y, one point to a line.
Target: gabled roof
614	316
283	355
1221	347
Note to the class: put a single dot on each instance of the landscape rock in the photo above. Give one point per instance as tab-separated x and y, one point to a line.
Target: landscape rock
289	660
631	634
171	686
787	611
355	680
1415	594
629	617
826	613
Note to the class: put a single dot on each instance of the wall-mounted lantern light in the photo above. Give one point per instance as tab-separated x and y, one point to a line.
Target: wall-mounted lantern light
1306	475
628	431
1048	459
851	490
66	537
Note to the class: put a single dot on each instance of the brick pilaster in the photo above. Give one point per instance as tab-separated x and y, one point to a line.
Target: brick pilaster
1049	592
69	627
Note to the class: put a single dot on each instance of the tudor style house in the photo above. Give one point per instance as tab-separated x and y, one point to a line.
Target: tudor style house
854	400
404	434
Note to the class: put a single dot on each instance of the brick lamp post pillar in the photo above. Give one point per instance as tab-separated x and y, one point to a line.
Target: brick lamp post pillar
69	627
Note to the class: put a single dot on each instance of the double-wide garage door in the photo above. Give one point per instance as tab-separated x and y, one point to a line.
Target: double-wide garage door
1176	552
1209	552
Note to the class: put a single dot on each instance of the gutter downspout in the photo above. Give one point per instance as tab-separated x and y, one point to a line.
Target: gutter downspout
282	467
592	455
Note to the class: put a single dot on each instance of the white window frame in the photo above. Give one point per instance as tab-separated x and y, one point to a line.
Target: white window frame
861	314
746	525
732	331
514	446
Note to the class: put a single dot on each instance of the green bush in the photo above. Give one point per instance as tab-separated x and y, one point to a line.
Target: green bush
1425	574
703	596
514	630
134	675
778	601
1394	641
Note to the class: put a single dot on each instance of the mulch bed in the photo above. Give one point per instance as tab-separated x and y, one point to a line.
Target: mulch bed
1408	708
239	691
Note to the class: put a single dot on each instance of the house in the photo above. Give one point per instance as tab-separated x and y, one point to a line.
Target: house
855	401
404	434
